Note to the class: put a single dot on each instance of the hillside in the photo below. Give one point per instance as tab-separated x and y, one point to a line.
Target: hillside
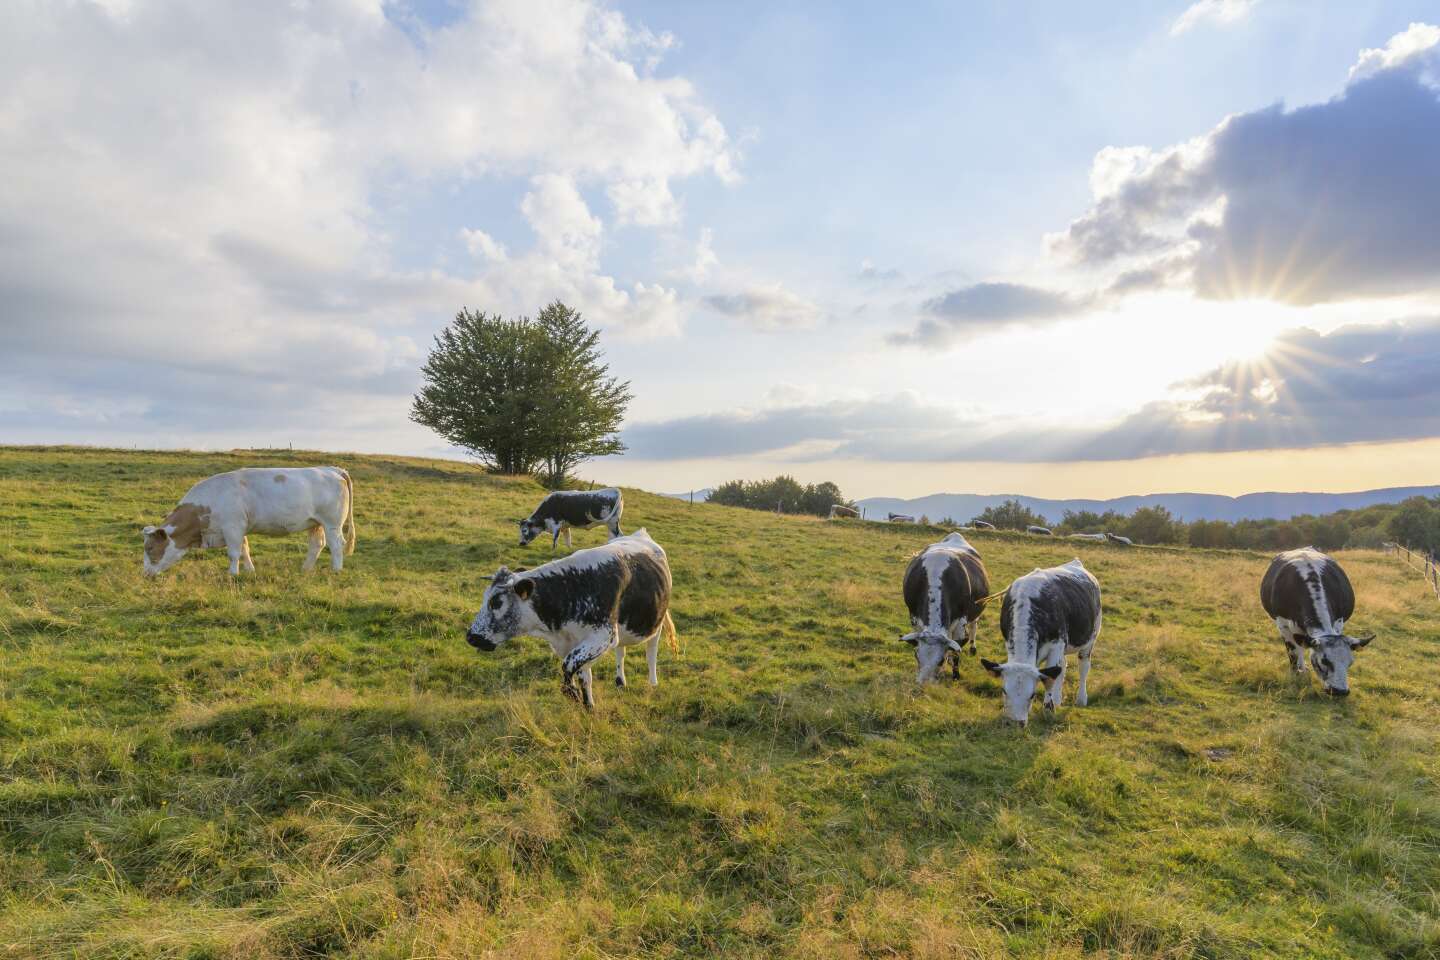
298	766
1184	506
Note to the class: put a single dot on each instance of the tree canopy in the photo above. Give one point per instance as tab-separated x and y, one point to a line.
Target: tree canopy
523	396
784	494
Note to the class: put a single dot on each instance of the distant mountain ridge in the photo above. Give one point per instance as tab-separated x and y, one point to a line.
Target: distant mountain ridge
1185	506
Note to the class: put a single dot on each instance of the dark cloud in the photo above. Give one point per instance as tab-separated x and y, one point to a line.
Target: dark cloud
969	311
1358	383
1321	203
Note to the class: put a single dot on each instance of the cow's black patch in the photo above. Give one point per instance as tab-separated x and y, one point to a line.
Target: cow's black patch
963	583
1285	589
1066	606
632	589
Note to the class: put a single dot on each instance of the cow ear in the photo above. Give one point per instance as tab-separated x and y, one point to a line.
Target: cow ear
1357	642
523	588
147	531
910	638
991	666
1050	673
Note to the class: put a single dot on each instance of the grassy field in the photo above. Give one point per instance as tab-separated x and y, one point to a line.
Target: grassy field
296	766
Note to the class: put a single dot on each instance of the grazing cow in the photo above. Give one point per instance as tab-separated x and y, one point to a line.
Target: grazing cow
982	525
1122	541
1046	614
1039	531
608	597
221	511
840	510
1098	537
564	509
945	585
1310	598
901	518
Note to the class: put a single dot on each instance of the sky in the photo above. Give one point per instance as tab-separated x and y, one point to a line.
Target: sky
1034	247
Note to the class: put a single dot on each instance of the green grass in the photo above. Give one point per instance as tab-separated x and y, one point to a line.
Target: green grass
296	766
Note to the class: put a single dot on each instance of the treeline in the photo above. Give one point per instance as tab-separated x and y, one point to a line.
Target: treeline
784	494
1414	522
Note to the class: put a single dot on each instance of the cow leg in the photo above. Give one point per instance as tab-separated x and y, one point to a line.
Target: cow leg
554	538
972	630
587	686
619	666
583	653
1081	697
317	543
1055	689
245	555
568	544
335	543
652	654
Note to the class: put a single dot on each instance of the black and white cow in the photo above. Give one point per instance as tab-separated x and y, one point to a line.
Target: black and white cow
944	586
1046	614
1310	598
564	509
982	524
1122	541
901	518
839	510
1039	531
608	597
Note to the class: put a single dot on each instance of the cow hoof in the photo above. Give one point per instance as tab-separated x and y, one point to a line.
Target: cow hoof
619	681
570	692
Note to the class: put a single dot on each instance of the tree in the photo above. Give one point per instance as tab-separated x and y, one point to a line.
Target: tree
784	494
1012	515
523	396
1417	524
1152	525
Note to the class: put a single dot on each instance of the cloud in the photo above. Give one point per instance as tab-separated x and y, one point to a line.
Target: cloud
982	307
248	227
1211	11
869	272
1358	383
767	308
834	428
1325	202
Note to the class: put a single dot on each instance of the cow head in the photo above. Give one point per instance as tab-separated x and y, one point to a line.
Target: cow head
1020	683
1331	656
529	530
161	550
930	645
505	612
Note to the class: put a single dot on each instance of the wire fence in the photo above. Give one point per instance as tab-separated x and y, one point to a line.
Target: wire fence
1420	560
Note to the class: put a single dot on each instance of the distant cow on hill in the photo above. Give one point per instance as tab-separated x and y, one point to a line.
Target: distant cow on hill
1309	597
564	509
221	511
838	510
982	525
1098	537
901	518
944	587
1039	531
1122	541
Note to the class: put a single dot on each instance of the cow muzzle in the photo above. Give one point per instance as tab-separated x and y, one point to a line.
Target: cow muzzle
1338	691
480	642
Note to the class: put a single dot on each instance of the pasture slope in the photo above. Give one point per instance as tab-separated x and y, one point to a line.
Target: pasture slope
300	766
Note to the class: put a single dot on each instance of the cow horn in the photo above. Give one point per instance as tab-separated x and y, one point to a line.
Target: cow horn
910	638
953	645
1357	642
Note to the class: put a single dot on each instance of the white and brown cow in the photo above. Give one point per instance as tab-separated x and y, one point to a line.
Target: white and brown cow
564	509
839	510
221	511
1309	597
607	597
1046	614
945	586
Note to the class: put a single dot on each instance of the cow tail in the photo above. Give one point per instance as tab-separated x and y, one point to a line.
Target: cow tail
348	527
672	638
